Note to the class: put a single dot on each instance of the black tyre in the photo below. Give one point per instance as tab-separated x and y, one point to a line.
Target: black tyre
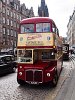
55	80
21	82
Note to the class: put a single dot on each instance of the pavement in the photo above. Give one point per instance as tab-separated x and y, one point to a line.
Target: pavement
67	91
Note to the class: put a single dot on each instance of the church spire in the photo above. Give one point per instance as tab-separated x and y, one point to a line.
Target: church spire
42	2
43	10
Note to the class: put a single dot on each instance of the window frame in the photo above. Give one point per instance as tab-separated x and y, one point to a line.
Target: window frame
42	23
53	28
23	31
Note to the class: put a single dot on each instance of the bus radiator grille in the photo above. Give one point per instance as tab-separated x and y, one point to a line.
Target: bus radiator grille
34	76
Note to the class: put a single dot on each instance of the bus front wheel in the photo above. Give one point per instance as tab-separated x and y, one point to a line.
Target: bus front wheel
55	80
21	82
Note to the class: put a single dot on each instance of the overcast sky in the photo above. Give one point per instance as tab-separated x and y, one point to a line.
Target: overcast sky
59	11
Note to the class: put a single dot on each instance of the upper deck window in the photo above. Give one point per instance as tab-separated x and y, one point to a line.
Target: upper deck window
27	28
43	27
53	28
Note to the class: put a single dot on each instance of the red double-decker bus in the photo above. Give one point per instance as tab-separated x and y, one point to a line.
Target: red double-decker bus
39	51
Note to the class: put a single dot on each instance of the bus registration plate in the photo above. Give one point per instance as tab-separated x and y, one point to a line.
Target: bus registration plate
33	82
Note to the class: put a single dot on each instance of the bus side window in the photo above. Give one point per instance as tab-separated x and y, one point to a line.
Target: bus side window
22	29
53	28
57	31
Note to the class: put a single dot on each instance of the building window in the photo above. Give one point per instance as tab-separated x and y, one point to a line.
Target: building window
3	10
11	14
11	23
15	5
11	32
8	32
3	41
0	28
0	7
17	16
15	33
7	11
15	24
4	30
3	20
18	26
20	18
11	42
15	43
7	1
7	21
4	1
14	15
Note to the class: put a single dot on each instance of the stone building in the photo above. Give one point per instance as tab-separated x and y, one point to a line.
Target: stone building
11	12
43	10
71	31
0	25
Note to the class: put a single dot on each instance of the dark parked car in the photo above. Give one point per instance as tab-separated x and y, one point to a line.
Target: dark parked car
7	64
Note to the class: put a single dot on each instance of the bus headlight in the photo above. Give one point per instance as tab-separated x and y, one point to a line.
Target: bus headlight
48	75
20	73
52	53
20	66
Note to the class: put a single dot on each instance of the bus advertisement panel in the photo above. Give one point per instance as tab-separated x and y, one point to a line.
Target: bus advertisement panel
35	39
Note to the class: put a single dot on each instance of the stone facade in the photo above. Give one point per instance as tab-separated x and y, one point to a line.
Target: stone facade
11	12
71	31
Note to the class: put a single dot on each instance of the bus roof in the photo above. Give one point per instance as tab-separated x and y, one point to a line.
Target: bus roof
36	20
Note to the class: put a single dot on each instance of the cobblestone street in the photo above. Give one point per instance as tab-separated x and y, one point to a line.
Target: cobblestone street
11	90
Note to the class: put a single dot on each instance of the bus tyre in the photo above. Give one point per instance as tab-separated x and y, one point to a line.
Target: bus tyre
55	80
20	81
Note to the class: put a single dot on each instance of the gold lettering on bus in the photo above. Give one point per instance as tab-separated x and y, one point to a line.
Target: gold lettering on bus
34	43
33	37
